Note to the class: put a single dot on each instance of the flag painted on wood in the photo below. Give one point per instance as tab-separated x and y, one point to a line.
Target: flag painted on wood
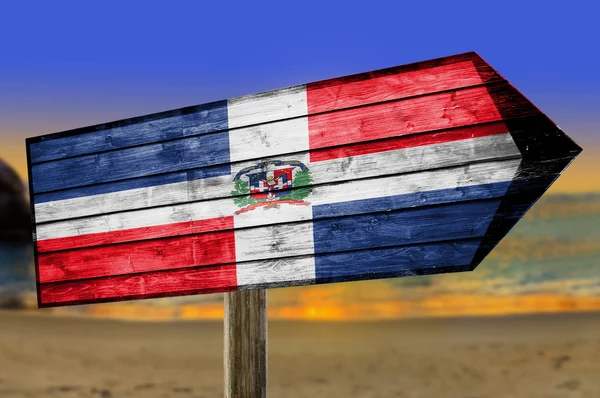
411	170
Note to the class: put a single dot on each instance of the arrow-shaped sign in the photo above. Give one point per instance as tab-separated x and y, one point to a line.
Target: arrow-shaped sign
416	169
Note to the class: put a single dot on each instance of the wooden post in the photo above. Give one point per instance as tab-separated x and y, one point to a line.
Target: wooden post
246	344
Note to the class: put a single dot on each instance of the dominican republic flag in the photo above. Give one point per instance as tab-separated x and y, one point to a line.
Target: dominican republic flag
264	181
396	172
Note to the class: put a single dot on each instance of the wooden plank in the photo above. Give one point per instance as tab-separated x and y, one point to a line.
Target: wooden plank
77	238
421	114
137	193
149	129
220	278
398	260
321	268
416	140
421	225
471	182
485	72
327	235
153	159
142	256
378	87
328	167
245	358
392	119
371	122
266	107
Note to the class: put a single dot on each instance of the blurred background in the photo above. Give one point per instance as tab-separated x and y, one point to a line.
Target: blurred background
524	323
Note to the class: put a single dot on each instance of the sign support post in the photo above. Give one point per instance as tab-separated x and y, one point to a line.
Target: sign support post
245	349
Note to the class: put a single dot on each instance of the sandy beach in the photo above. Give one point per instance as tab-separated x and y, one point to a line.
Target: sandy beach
525	356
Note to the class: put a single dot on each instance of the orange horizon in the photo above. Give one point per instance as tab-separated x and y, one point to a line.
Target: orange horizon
443	306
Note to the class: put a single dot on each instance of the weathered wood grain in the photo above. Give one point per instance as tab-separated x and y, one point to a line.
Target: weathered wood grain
151	255
446	136
187	153
150	229
327	235
398	260
245	341
431	112
468	182
378	87
221	278
414	115
327	168
149	129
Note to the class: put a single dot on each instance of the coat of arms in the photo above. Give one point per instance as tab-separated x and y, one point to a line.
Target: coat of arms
269	184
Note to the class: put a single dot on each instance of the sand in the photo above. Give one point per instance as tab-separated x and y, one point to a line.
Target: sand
525	356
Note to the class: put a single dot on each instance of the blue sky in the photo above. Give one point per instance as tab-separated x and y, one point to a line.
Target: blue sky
67	64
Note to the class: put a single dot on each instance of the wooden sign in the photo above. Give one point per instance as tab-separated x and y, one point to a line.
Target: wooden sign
416	169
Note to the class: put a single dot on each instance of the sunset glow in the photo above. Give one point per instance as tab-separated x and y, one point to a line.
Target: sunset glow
437	306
